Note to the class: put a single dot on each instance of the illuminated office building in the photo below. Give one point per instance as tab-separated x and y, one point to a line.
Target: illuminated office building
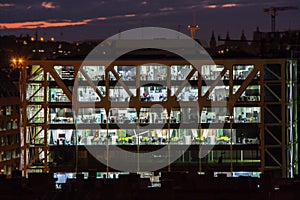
245	110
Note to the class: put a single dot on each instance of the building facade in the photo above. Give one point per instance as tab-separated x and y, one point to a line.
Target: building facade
9	127
231	116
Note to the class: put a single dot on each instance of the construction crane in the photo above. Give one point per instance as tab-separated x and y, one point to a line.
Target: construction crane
273	11
193	28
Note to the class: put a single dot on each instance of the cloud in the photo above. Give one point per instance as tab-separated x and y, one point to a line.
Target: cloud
41	24
210	6
5	5
49	5
101	18
61	23
229	5
166	9
129	15
114	17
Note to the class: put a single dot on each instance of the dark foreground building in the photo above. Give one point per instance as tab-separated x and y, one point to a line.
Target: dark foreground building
173	186
9	126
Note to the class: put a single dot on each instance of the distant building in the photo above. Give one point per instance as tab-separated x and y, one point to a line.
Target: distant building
9	126
231	47
284	44
277	44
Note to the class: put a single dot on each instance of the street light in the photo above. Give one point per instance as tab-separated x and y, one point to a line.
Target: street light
17	63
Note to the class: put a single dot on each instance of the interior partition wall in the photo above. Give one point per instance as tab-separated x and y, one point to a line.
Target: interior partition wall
238	107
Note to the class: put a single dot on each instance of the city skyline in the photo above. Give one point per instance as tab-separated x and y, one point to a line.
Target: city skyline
75	21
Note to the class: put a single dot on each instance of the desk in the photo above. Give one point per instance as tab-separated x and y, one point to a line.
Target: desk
162	77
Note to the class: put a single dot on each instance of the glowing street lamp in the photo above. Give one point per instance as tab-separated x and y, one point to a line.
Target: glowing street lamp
17	63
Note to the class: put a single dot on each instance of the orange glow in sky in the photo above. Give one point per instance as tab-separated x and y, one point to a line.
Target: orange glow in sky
129	15
48	5
229	5
48	24
211	6
41	24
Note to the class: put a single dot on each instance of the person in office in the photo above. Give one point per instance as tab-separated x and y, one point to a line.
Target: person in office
187	95
180	76
96	138
144	94
241	76
242	117
128	75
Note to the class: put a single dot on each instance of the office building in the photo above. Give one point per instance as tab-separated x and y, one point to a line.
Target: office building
244	109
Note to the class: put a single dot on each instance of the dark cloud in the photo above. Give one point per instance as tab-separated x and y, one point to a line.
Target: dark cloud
49	5
5	5
99	19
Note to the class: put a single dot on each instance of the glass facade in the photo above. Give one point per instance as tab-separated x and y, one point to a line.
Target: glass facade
152	105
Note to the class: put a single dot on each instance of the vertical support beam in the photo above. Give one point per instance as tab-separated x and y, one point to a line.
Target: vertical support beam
200	106
283	122
296	136
169	108
45	128
23	83
231	114
231	97
291	129
168	79
262	105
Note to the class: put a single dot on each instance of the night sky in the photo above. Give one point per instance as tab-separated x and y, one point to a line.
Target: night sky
75	20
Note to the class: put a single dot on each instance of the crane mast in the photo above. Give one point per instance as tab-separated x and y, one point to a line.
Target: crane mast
193	28
274	10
